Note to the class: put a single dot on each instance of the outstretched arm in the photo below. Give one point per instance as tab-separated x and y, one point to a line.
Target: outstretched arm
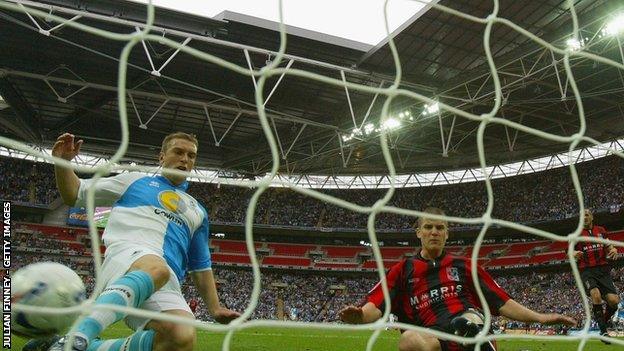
360	315
205	283
67	181
513	310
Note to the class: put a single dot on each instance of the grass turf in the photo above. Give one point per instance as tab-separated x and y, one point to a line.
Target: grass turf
283	339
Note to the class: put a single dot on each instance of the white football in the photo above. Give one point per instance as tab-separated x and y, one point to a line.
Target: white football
47	284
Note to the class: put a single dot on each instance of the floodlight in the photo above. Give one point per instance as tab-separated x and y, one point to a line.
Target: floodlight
573	44
391	123
615	26
431	109
369	128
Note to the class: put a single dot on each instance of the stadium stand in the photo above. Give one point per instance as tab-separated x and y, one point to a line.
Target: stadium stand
27	182
527	198
342	251
290	249
309	290
76	242
307	269
286	261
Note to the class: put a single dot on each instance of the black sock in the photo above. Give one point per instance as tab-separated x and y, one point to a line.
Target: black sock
446	345
443	345
599	317
609	312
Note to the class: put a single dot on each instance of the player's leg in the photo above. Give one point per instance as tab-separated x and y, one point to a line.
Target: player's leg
412	340
156	336
612	305
173	336
609	294
590	279
40	344
598	308
145	274
469	324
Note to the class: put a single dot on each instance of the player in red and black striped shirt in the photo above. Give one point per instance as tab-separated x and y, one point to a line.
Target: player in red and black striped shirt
596	271
193	305
434	289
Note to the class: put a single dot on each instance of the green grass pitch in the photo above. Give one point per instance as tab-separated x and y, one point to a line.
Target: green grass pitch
282	339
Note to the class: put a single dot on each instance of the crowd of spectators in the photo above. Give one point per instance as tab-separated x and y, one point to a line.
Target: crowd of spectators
535	197
548	195
309	297
81	265
550	292
26	181
318	296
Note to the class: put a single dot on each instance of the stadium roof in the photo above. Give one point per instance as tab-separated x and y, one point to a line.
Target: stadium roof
57	78
328	21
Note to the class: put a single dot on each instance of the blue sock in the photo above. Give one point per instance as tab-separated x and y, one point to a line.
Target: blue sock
130	290
139	341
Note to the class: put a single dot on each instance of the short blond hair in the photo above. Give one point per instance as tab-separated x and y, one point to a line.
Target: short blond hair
177	135
430	210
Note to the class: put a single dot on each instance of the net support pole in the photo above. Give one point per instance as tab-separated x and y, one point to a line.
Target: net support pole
344	80
284	156
370	107
240	113
279	80
214	136
186	41
554	64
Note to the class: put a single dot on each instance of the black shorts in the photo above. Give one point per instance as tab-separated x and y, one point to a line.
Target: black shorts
455	346
598	277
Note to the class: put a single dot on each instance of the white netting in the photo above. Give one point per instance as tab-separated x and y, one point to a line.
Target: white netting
390	92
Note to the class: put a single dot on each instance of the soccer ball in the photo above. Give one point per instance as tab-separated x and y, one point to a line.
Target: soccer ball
46	284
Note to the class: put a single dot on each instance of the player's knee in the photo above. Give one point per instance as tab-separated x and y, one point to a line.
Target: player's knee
412	341
155	266
176	337
596	297
406	341
160	274
613	300
184	337
405	345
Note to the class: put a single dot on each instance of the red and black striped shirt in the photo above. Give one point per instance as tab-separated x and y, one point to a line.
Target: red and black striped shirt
594	254
193	305
430	293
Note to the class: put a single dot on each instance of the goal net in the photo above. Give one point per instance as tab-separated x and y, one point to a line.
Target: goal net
393	90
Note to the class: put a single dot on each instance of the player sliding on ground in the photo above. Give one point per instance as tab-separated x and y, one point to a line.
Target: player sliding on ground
156	233
434	290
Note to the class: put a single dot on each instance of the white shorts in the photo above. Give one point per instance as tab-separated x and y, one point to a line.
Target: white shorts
169	297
